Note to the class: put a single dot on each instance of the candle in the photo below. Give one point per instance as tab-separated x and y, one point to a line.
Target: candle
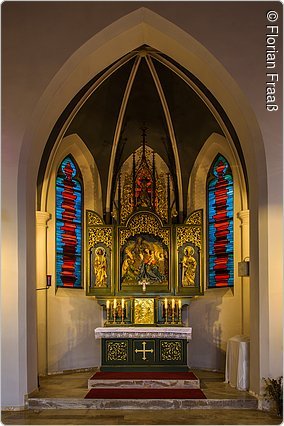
122	303
114	304
179	303
166	303
173	303
107	304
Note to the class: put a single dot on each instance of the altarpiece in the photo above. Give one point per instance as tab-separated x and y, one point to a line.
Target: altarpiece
145	266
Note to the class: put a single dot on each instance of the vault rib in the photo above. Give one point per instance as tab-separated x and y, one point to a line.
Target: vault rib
170	128
118	128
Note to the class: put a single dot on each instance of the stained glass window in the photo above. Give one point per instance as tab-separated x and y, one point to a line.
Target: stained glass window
69	225
220	199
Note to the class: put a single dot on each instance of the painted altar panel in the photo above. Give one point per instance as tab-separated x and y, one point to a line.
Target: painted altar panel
99	255
189	259
144	255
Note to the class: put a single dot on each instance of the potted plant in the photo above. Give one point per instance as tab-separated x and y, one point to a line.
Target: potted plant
273	391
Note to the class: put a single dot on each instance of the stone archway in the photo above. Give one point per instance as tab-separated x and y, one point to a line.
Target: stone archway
135	29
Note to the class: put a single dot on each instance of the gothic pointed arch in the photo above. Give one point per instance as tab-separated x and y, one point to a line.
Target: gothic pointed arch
121	38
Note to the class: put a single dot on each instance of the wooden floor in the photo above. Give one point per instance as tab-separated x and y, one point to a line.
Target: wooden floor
74	385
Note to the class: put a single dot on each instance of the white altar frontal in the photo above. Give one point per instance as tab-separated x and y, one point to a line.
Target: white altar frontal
144	348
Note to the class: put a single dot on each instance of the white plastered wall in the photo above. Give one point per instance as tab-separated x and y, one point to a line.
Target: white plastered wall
71	316
220	313
37	104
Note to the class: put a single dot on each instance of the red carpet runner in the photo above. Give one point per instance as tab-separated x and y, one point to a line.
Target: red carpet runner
145	393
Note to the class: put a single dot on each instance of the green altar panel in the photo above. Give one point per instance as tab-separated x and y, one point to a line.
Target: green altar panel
144	355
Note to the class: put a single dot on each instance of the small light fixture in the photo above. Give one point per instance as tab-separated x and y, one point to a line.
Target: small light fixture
243	268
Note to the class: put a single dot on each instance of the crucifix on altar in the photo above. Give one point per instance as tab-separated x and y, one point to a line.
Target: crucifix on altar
144	351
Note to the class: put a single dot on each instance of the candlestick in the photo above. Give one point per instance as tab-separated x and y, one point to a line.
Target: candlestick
173	310
122	311
114	310
166	311
107	307
179	311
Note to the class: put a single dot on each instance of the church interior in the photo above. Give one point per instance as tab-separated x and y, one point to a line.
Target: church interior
141	211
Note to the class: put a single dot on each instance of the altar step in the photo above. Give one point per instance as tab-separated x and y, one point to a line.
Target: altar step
140	404
69	392
143	380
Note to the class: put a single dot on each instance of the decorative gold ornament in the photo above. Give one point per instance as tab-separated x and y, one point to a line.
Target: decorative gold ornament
162	202
171	351
93	218
144	311
100	235
144	223
117	351
127	198
194	218
188	234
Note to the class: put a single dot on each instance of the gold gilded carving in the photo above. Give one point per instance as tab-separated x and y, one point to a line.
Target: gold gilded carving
144	311
127	199
144	223
171	351
195	218
100	235
117	351
94	219
100	267
162	203
188	267
188	234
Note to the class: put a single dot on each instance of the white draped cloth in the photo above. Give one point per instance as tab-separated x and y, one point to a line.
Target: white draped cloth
237	362
143	332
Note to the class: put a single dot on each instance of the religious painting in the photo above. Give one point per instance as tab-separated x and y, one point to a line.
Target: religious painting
144	258
100	267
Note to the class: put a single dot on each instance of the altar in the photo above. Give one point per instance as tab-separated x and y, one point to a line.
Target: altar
144	348
144	268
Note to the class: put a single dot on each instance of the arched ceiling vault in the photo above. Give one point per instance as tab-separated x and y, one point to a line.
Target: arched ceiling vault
143	88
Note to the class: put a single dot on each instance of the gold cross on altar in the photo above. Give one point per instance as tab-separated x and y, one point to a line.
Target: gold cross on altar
144	350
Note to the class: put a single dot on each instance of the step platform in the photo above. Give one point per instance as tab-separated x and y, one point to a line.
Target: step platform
181	380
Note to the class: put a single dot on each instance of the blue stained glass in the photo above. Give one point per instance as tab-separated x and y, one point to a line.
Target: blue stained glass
220	206
68	225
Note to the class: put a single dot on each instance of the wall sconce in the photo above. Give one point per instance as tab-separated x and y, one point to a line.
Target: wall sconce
243	268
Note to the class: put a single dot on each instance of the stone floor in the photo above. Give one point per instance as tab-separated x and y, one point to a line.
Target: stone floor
74	385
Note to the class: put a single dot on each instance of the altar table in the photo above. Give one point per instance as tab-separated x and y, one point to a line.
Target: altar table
237	362
144	348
